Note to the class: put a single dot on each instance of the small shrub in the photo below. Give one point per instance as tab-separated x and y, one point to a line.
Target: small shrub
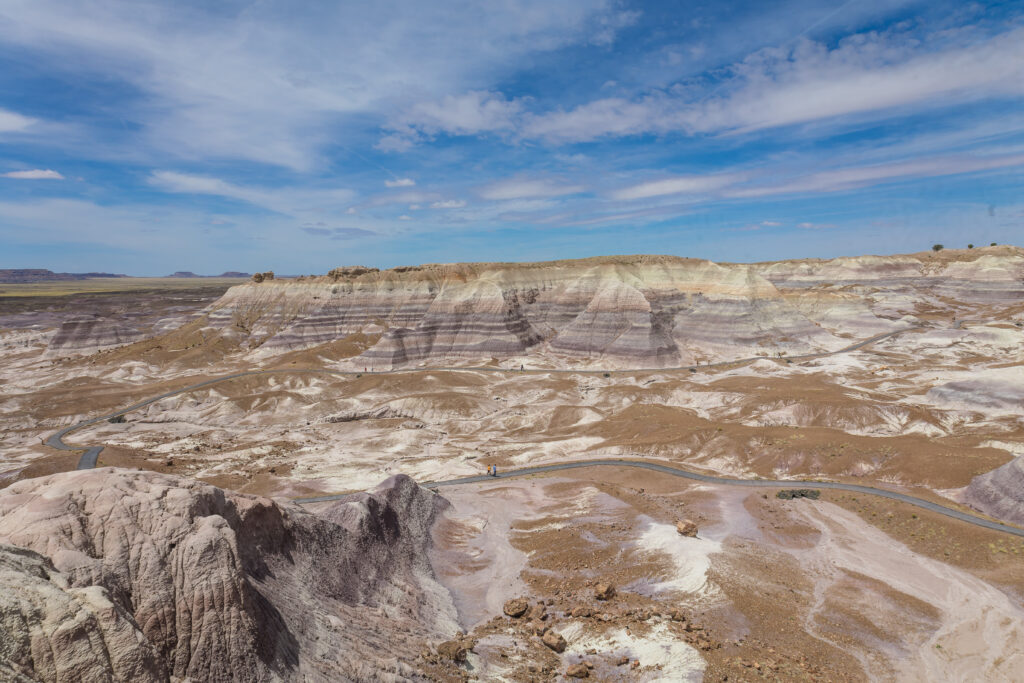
607	374
970	246
992	245
937	247
790	494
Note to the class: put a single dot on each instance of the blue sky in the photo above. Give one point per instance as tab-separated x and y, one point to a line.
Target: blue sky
147	137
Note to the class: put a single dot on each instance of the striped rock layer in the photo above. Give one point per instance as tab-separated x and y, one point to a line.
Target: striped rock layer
630	311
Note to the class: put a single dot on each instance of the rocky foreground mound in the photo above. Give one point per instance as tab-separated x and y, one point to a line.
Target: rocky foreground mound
628	311
123	575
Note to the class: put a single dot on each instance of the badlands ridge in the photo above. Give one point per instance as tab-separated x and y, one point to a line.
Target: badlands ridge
626	312
184	556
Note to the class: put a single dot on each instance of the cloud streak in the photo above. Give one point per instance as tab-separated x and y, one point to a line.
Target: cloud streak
526	188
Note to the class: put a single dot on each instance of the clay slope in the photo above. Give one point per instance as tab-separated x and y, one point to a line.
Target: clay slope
194	582
628	311
1000	493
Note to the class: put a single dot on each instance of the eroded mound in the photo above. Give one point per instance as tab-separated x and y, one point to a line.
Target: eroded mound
219	585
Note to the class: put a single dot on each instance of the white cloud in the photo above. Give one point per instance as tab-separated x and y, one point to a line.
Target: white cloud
11	122
400	182
814	226
404	217
524	188
690	184
34	174
351	211
471	113
771	224
448	204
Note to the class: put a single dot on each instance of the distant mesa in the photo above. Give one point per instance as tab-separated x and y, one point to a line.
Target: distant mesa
227	273
23	275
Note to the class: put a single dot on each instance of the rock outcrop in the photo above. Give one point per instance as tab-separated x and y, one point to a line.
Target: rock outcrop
51	631
625	311
200	583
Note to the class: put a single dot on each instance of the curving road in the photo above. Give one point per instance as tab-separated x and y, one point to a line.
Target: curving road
712	479
89	457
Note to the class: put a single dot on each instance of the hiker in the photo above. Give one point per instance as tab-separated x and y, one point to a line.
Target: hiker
522	368
494	470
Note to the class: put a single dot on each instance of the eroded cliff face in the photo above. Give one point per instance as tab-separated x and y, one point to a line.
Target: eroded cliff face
629	311
154	576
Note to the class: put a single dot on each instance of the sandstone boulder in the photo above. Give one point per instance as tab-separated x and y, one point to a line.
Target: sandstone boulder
578	671
555	641
516	607
454	650
604	591
686	527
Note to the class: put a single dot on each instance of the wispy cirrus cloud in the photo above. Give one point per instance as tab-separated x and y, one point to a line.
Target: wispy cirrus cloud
449	204
285	200
526	188
690	184
265	83
338	233
868	73
841	179
33	174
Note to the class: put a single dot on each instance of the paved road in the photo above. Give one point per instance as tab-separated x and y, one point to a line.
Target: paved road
711	479
89	458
